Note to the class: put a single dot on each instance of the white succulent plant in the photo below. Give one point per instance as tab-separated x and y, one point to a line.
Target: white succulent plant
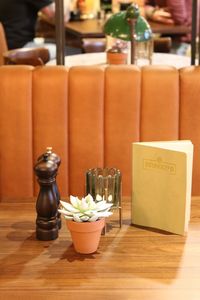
85	210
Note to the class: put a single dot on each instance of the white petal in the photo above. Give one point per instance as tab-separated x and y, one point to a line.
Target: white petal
68	206
89	198
80	214
68	218
84	205
93	218
90	213
76	218
92	205
65	212
74	201
84	218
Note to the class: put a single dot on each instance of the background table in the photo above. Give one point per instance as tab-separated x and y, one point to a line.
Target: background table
177	61
94	28
76	31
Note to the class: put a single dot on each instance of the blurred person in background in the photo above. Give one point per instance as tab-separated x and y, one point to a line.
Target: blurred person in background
170	11
177	12
19	19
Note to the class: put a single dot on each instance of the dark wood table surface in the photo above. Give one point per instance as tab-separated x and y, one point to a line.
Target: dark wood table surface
94	28
131	263
76	31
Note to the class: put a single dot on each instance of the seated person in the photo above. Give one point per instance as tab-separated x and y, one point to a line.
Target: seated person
178	12
19	20
169	11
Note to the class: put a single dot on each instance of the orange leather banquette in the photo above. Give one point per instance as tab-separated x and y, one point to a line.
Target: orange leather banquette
90	116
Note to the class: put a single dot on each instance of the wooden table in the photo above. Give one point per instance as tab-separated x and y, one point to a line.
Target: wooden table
94	28
131	263
75	31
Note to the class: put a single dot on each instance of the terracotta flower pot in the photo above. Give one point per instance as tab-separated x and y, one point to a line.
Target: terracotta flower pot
85	235
115	58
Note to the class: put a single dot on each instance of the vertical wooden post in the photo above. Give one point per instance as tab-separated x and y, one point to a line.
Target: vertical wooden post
132	23
198	20
194	31
60	32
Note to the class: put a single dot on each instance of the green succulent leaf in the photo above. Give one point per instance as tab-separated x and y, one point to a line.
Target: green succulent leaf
68	217
84	218
67	206
74	201
93	219
65	212
76	218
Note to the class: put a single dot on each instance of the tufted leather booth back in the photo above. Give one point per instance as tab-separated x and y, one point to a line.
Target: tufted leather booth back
90	116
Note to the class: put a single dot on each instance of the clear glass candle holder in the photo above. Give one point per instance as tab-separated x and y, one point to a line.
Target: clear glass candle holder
105	183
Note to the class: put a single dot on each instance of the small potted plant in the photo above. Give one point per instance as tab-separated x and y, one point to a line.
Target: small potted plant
85	220
117	54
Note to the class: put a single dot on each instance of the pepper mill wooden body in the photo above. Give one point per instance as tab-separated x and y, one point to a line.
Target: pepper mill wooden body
56	159
46	205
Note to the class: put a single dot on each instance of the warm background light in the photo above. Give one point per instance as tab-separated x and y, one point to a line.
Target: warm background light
116	4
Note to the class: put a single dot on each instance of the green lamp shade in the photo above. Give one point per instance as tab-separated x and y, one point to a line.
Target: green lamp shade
143	30
133	11
117	26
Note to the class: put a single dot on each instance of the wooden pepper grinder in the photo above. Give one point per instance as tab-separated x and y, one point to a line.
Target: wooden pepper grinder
46	206
56	159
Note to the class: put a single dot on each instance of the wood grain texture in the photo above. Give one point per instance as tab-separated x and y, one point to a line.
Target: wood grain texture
131	263
93	28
